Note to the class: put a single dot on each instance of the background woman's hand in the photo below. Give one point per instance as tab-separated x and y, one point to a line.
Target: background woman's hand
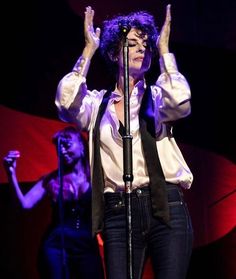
163	39
92	37
9	161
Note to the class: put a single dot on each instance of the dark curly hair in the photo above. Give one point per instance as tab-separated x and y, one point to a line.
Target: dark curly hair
65	134
111	37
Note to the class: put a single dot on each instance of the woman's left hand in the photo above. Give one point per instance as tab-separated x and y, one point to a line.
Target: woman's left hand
163	38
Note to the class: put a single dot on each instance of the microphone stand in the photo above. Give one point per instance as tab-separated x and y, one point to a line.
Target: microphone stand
127	155
60	201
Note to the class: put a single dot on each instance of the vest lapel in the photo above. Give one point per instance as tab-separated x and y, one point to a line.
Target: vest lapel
98	178
157	180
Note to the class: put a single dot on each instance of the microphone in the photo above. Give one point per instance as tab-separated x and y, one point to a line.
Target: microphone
124	27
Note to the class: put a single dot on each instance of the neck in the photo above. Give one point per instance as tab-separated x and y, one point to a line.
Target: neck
75	167
132	81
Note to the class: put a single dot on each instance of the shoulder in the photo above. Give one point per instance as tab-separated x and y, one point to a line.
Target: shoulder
50	177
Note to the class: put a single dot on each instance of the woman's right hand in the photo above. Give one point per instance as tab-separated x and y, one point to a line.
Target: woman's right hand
9	161
92	38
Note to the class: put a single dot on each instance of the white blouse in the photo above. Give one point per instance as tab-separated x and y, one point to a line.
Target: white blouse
171	96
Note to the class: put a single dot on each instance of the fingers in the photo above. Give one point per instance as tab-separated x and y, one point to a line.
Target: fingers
98	32
167	18
168	13
88	23
163	38
92	37
89	15
12	155
166	26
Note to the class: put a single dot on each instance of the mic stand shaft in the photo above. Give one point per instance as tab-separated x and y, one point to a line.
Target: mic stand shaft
61	210
127	159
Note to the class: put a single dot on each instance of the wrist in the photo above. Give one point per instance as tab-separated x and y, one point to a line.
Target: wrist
82	66
163	51
88	52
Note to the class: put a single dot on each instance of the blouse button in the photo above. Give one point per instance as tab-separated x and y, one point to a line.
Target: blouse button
77	224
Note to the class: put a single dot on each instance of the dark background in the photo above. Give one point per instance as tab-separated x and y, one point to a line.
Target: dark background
43	40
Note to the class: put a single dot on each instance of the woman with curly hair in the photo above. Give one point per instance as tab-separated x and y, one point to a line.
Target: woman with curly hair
161	225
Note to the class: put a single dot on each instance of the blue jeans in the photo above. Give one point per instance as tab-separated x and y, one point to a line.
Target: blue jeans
81	255
169	246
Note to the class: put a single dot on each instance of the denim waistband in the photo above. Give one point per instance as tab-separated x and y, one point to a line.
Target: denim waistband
174	193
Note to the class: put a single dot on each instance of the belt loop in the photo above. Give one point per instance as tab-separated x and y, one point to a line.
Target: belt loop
181	194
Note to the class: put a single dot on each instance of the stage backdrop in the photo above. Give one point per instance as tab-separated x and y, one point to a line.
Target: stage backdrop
211	200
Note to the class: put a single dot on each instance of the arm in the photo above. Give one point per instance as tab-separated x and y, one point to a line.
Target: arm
72	88
173	92
34	194
92	41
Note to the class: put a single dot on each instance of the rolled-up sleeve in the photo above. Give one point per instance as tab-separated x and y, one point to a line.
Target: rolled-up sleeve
75	103
172	93
68	88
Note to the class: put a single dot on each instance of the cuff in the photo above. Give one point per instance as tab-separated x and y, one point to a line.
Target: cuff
168	63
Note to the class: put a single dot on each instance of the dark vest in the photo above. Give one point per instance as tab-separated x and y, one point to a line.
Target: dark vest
157	180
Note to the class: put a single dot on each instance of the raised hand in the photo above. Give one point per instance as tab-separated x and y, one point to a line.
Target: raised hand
163	38
92	37
9	161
